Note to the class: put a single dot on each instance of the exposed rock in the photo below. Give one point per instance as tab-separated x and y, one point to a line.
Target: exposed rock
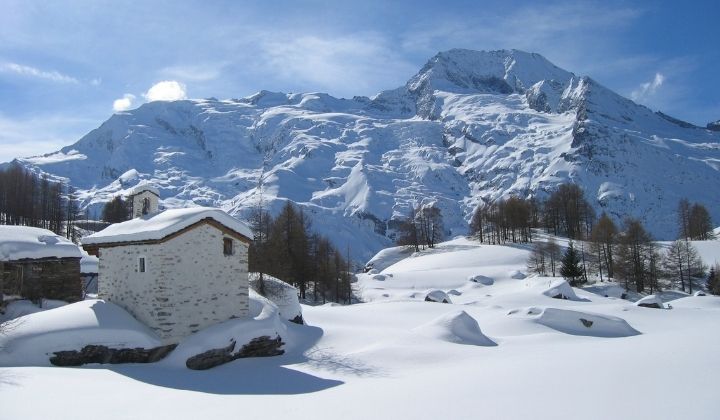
651	301
103	354
437	296
264	346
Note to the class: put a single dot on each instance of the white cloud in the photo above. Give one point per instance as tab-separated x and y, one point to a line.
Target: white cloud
96	81
28	71
647	89
348	65
167	90
123	103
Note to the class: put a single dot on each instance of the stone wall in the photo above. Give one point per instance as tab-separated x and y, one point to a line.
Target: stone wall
188	284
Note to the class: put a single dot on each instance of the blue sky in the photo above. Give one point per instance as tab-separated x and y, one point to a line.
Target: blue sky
66	65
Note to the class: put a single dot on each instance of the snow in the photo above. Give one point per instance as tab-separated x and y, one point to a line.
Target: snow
469	127
281	294
159	225
560	288
584	323
264	321
32	339
388	257
650	300
89	263
437	296
478	278
397	356
23	242
455	327
140	187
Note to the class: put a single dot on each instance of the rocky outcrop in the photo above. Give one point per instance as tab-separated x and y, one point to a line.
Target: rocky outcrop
104	355
264	346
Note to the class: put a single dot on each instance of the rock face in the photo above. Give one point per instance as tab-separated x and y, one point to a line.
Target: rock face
264	346
103	355
469	127
714	126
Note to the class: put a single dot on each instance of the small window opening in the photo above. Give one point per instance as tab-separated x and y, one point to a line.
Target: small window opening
146	206
227	246
141	264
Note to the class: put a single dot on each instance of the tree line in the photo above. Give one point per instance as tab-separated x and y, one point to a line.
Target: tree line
423	227
628	254
29	200
565	212
286	247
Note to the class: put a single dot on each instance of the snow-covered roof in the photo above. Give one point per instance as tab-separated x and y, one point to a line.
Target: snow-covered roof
23	242
145	187
157	226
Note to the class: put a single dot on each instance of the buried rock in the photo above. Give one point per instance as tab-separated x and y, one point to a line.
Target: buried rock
584	323
103	354
437	296
264	346
651	301
484	280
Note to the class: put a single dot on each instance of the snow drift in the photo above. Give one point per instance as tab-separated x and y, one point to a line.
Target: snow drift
455	327
583	323
32	339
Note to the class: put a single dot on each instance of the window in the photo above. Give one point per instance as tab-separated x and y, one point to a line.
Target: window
146	206
141	264
227	246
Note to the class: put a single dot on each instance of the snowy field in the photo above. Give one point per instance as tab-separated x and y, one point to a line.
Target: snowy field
503	349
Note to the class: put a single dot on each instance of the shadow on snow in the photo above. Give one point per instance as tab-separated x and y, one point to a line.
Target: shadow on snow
251	376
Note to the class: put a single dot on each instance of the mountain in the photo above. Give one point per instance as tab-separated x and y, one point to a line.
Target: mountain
471	126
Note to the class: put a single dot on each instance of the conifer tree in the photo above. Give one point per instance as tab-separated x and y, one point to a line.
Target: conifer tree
571	269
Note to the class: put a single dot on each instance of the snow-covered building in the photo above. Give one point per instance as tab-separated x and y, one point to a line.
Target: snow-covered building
36	263
177	271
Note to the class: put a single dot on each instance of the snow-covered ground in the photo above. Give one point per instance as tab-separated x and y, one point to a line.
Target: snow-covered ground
505	349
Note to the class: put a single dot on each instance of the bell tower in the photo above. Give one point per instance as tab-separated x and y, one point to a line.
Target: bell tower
144	200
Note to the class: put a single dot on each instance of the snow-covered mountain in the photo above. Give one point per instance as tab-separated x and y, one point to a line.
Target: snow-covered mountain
470	126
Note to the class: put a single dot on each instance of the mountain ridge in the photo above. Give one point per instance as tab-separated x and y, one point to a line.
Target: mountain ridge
469	127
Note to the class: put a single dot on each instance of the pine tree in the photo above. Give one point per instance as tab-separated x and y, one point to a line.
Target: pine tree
571	269
713	282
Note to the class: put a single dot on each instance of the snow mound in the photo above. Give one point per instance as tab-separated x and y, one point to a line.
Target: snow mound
454	292
699	293
455	327
651	301
517	275
378	277
32	339
697	302
487	281
265	321
437	296
18	308
583	323
560	289
283	295
388	257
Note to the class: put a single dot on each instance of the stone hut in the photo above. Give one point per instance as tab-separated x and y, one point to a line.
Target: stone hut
177	271
37	264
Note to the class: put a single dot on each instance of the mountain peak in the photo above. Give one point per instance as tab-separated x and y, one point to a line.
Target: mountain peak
499	71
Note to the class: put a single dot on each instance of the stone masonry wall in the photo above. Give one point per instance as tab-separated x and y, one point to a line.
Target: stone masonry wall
188	284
